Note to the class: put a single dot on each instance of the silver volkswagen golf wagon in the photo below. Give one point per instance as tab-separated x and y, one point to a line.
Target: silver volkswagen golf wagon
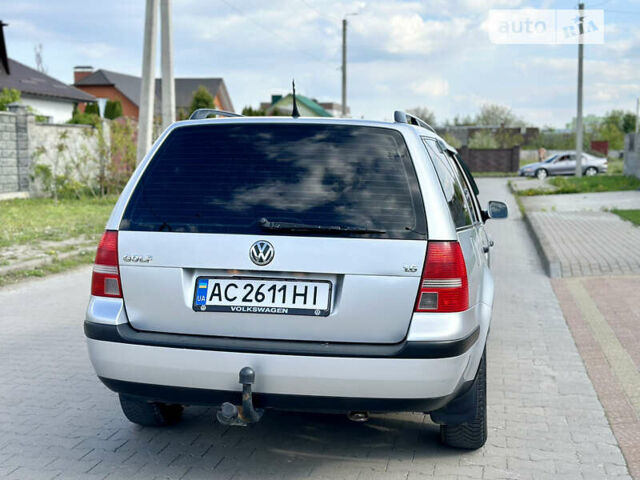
297	263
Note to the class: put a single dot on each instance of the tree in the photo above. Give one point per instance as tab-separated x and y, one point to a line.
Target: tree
506	138
202	98
612	134
483	139
7	96
250	112
497	115
84	118
113	109
92	109
629	122
423	113
182	114
451	140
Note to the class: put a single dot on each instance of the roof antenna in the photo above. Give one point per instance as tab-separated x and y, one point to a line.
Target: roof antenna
295	113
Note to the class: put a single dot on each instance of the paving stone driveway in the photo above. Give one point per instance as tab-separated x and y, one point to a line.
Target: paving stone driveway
580	244
603	316
545	421
578	238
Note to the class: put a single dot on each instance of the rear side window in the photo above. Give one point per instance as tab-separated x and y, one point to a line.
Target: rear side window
225	178
452	185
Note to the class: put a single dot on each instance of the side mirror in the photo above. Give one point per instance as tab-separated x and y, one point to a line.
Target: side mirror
496	210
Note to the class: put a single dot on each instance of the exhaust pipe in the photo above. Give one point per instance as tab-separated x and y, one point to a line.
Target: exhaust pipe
358	417
242	416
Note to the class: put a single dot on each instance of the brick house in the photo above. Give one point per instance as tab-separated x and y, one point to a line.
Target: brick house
126	88
43	94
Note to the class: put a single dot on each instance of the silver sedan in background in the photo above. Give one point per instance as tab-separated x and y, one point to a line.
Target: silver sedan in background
564	163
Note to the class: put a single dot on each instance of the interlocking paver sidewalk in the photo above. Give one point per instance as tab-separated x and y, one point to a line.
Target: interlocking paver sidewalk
603	316
545	420
584	243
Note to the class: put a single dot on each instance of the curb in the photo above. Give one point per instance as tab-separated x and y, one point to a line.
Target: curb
551	266
40	262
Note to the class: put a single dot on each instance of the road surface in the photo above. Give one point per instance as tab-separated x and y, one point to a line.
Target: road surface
58	421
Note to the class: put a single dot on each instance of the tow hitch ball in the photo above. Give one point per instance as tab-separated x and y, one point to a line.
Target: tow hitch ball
229	414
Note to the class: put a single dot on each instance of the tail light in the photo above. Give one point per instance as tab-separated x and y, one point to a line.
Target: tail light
444	286
105	281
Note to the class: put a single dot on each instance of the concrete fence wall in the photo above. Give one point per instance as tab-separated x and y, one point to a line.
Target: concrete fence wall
491	160
632	154
8	154
72	150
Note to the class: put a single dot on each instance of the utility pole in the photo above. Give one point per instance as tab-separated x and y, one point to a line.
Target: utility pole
147	90
168	82
579	129
637	115
344	66
344	62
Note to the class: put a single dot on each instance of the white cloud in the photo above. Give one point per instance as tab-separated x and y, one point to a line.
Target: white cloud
96	50
401	53
431	87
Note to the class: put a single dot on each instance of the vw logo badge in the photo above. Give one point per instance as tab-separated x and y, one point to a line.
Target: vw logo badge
261	253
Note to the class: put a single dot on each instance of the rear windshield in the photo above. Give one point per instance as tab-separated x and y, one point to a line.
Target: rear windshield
226	178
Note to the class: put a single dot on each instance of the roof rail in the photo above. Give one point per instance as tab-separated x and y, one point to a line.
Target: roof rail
404	117
202	113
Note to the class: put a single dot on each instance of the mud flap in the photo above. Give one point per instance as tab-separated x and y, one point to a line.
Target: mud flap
462	409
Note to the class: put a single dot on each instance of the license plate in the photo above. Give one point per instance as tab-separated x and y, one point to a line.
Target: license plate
260	295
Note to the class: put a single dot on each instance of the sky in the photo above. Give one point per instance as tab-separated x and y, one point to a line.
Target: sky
401	53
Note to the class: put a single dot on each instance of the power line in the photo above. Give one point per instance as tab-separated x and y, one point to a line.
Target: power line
272	32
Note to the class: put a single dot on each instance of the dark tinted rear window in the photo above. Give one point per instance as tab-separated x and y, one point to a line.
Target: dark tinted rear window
225	178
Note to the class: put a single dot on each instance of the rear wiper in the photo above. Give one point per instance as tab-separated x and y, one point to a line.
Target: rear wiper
265	224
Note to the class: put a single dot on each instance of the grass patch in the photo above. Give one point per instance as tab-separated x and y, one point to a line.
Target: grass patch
598	183
30	220
632	215
55	266
616	166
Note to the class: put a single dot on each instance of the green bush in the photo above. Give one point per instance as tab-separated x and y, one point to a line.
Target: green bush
85	118
251	112
62	187
483	139
451	140
92	108
7	96
122	155
113	109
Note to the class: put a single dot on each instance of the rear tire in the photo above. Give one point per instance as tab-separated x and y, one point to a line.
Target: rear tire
150	414
472	435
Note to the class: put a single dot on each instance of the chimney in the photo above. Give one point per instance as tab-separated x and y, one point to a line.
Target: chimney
81	71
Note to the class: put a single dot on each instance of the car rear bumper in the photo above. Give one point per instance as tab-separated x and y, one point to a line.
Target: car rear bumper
313	403
185	374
